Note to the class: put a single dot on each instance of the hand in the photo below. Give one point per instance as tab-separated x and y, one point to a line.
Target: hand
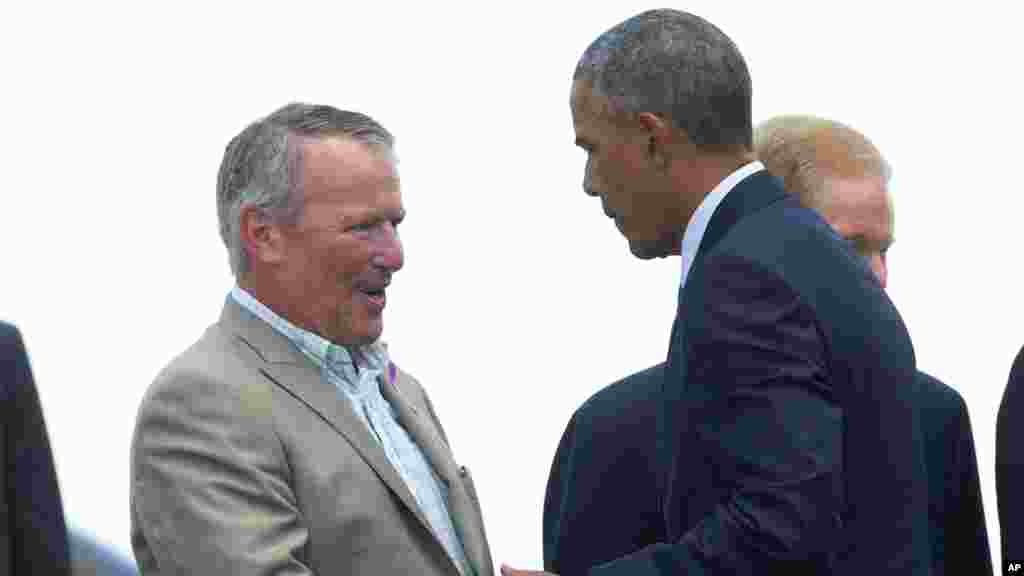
507	570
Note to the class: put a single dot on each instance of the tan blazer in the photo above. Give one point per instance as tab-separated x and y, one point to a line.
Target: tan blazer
244	461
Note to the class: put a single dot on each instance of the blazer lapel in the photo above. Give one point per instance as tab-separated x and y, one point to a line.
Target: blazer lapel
287	367
468	523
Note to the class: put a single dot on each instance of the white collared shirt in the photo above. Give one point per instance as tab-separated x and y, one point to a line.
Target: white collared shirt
698	223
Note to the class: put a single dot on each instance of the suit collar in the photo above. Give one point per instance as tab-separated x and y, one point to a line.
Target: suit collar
261	338
288	368
750	195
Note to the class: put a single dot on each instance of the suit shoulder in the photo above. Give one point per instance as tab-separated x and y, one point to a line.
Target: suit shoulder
1017	370
634	398
938	390
941	405
9	333
210	367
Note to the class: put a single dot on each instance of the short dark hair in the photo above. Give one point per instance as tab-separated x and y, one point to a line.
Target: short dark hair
676	64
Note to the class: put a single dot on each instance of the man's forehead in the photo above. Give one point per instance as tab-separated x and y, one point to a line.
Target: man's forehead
861	205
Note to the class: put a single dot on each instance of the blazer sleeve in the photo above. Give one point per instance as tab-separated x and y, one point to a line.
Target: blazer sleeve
1010	464
34	521
764	419
210	482
554	495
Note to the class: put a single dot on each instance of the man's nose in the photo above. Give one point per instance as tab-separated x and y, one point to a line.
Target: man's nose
588	185
389	254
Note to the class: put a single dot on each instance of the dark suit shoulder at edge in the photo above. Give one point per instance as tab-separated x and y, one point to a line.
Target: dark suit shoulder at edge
939	390
640	386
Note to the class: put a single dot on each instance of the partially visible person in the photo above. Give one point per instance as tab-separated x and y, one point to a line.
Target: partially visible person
286	440
603	497
90	557
1010	465
839	172
33	538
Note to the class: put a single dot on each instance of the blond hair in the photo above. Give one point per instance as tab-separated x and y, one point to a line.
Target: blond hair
806	151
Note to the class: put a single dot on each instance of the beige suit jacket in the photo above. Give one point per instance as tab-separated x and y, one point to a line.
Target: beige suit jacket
244	461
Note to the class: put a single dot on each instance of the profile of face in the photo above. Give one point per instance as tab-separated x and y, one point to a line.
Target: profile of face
338	256
860	210
624	171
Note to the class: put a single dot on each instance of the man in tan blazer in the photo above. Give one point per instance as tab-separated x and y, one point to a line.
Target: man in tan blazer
285	441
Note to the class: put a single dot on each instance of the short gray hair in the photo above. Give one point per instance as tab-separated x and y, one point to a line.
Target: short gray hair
676	64
805	151
262	165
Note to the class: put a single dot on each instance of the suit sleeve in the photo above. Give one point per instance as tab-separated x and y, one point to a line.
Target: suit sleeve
35	521
558	478
967	550
210	482
764	423
1010	464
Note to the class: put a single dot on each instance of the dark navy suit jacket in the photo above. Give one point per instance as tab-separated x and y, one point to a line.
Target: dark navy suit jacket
34	538
603	497
788	432
603	493
959	536
1010	464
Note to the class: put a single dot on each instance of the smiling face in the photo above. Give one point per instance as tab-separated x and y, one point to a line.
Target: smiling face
860	210
624	170
338	256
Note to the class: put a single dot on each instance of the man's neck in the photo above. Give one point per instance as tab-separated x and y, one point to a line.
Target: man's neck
704	175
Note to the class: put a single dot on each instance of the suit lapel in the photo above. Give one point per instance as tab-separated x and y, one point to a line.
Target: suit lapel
467	522
290	369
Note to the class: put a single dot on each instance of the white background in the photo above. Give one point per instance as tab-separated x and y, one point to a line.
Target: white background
518	299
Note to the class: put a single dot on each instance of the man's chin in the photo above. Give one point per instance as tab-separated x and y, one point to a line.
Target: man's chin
646	251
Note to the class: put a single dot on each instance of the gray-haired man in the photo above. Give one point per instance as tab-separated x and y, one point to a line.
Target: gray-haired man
285	440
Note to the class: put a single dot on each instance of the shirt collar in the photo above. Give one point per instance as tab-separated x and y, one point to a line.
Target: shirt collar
321	350
698	223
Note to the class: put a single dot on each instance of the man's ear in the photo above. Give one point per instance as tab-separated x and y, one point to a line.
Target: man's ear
659	137
260	235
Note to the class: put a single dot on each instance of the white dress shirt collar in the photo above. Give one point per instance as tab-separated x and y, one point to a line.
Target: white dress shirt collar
698	223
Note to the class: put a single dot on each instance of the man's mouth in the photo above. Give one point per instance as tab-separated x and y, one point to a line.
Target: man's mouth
375	295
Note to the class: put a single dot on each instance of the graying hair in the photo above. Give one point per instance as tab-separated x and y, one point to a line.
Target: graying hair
805	151
678	65
262	165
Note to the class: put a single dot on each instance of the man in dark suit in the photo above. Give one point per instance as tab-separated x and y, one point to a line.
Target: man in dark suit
839	172
787	437
605	474
34	538
1010	465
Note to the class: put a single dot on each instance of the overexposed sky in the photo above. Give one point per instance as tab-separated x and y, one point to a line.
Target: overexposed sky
519	299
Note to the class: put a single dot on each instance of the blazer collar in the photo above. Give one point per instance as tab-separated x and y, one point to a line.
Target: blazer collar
750	195
288	368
